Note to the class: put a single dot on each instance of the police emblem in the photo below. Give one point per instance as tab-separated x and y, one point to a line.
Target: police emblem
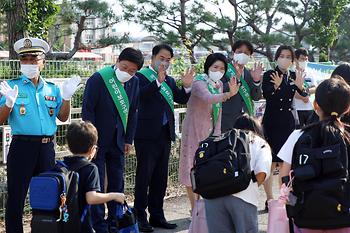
22	110
27	43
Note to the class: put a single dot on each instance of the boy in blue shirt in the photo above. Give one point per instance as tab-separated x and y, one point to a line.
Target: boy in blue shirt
82	142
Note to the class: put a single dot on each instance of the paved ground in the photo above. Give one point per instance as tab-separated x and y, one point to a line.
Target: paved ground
177	211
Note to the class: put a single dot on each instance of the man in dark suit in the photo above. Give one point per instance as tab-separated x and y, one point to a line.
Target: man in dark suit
249	79
110	102
154	133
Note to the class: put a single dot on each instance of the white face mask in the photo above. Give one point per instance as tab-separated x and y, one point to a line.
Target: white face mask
284	63
122	76
30	71
158	63
241	58
302	65
215	76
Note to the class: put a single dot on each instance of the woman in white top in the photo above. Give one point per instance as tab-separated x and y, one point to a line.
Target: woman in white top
321	181
238	212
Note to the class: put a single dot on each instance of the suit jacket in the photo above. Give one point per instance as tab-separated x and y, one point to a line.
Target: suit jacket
278	120
99	108
235	106
152	107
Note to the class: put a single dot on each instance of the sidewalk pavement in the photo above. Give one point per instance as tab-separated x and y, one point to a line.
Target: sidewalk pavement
177	211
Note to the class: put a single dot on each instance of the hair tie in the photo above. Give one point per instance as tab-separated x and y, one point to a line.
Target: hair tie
334	114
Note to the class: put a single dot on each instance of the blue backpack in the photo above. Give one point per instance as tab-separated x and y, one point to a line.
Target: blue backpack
124	220
53	197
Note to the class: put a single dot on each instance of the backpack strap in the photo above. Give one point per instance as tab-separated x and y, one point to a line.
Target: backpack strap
253	177
245	137
79	165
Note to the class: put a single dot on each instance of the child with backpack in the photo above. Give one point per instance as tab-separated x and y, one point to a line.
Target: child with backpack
318	157
82	140
238	212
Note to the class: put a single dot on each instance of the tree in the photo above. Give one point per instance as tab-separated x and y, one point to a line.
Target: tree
27	18
341	49
176	23
3	31
40	16
15	16
76	13
300	12
324	24
261	17
221	23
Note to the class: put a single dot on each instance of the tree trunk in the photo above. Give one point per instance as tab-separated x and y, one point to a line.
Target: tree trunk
231	39
76	47
190	51
15	16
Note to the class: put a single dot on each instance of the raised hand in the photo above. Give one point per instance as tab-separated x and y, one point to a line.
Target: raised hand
188	77
300	78
234	87
161	73
239	69
9	93
70	86
257	71
276	79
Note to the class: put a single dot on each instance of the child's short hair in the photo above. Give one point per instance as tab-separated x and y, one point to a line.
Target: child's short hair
81	136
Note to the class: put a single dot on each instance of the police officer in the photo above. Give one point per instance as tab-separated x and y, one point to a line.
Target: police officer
31	105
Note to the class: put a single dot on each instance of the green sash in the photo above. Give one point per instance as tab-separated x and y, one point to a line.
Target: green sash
216	107
244	89
165	90
117	92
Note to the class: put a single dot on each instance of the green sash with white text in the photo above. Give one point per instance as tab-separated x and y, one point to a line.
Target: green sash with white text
165	90
216	107
117	92
244	89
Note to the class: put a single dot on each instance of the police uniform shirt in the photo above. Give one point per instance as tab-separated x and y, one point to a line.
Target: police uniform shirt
35	109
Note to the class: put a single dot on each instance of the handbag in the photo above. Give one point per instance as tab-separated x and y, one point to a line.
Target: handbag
278	221
199	220
125	220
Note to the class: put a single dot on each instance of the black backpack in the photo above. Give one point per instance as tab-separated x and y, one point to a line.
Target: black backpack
321	182
222	165
54	200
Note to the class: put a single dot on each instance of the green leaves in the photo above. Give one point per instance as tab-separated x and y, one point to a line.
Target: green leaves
40	16
324	25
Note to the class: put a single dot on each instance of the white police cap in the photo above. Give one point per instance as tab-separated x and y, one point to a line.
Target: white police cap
31	46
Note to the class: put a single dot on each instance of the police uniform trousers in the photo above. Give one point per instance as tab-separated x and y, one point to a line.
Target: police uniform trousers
109	161
27	157
152	175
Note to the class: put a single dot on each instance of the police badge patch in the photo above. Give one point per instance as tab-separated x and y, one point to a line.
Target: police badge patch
27	43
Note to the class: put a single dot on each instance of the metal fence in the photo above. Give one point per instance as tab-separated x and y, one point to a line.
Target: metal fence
64	69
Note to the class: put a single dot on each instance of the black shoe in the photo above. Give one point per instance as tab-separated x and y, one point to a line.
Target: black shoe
162	224
145	227
266	206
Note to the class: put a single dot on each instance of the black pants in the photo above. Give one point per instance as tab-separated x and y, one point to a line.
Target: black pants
25	159
151	175
110	163
303	116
